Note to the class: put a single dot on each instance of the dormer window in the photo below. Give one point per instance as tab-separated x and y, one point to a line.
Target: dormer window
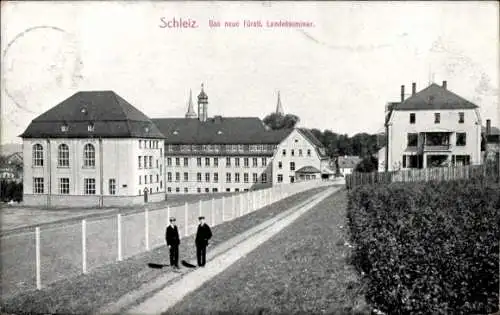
176	132
219	132
64	128
83	110
146	129
90	127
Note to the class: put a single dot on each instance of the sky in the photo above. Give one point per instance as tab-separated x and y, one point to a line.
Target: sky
337	74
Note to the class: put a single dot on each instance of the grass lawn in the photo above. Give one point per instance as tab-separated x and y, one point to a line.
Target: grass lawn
88	293
303	269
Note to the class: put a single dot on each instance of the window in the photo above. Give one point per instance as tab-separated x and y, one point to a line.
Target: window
186	176
186	190
186	161
38	185
300	152
198	190
157	178
412	139
150	162
169	161
90	127
157	163
292	153
63	155
280	165
145	162
228	177
89	185
161	184
236	189
161	152
237	162
64	186
264	161
140	144
139	159
216	177
207	177
254	162
177	189
177	177
214	190
37	155
264	178
255	177
412	118
198	177
177	161
461	117
308	152
280	178
207	190
228	189
236	177
292	166
151	178
228	161
112	186
245	162
169	189
169	177
140	179
437	118
216	162
145	179
89	155
461	138
284	152
245	177
207	161
161	169
198	161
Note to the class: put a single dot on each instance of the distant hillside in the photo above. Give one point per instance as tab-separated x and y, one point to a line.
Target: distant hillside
10	148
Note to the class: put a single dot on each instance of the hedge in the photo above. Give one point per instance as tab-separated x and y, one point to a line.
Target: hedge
10	190
428	248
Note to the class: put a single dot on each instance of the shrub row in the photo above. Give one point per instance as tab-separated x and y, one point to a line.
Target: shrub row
10	190
428	248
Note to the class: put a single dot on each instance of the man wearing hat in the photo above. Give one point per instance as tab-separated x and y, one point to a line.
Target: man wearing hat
173	241
203	234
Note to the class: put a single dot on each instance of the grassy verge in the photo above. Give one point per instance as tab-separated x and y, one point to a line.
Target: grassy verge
88	293
303	269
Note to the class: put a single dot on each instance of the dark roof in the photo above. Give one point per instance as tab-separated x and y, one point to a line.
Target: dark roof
308	169
434	97
218	130
320	148
111	115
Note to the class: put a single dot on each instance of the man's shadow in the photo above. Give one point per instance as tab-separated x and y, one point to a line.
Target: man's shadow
156	266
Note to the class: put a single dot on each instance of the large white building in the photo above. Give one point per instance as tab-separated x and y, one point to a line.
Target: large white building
96	149
432	128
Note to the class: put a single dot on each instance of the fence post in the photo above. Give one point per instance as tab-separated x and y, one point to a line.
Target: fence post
119	237
223	206
186	221
146	228
37	253
84	246
212	212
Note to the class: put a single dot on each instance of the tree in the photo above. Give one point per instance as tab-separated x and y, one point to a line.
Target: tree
367	165
277	121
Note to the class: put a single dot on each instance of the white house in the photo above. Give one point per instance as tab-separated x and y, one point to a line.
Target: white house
432	128
347	164
93	149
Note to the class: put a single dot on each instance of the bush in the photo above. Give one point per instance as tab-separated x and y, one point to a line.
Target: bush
428	248
11	191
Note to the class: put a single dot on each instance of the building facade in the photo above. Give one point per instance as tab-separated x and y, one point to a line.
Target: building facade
432	128
93	149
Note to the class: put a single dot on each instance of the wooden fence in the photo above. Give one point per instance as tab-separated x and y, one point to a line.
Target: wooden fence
488	171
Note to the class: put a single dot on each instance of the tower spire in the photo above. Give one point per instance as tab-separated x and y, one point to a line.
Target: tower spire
190	111
279	107
202	105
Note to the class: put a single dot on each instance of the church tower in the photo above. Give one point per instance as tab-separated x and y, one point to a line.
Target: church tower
202	105
279	107
190	111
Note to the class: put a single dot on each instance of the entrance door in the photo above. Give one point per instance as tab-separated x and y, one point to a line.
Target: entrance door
146	192
292	179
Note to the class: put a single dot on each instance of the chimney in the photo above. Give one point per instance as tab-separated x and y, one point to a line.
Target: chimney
444	85
413	88
402	93
488	127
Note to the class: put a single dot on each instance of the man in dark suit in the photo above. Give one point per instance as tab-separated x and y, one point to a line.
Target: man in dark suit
203	234
173	241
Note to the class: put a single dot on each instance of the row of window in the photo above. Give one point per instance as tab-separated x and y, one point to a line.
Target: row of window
64	186
292	152
149	144
148	162
438	139
220	148
150	190
206	190
215	162
150	177
215	177
292	165
437	118
63	155
90	127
